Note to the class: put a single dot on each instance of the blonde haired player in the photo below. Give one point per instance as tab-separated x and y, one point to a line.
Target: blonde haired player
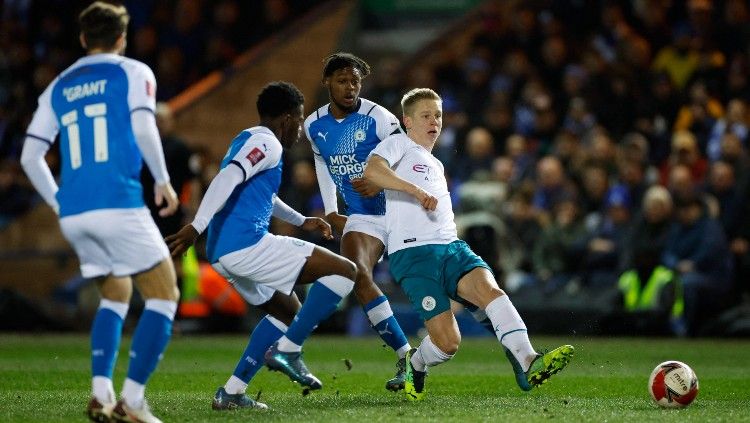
428	260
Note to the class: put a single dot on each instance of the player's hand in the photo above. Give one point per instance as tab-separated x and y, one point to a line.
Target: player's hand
337	221
318	224
179	243
165	193
427	200
365	188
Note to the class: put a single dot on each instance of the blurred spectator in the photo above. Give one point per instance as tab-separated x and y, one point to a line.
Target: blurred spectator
680	182
552	186
556	254
735	122
651	294
599	264
697	251
477	160
518	153
594	182
522	233
727	200
685	152
679	59
699	114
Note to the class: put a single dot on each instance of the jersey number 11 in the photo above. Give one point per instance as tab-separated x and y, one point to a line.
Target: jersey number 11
98	112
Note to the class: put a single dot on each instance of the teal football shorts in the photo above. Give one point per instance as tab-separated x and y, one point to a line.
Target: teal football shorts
429	274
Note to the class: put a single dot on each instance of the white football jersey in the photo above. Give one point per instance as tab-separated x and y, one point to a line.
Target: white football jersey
407	222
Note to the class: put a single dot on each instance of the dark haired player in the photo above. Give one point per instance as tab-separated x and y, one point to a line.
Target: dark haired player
342	134
264	267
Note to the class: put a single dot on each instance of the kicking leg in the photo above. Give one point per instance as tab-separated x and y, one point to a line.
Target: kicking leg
334	279
531	369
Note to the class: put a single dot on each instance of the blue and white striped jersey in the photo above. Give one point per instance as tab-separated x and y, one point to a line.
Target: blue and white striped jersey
344	146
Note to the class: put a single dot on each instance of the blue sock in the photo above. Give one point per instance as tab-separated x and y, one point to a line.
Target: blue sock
263	336
381	317
106	333
150	338
320	303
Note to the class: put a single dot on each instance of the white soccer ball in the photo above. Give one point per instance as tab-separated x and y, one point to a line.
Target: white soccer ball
673	384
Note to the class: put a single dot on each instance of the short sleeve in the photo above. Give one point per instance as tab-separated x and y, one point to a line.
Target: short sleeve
386	123
259	153
44	125
392	149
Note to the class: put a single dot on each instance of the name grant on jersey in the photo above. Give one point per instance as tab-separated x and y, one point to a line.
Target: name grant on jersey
346	164
84	90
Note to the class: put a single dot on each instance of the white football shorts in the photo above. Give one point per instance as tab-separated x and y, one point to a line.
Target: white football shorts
372	225
272	264
121	242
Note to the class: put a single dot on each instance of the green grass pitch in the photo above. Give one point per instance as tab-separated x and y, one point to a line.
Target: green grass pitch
45	378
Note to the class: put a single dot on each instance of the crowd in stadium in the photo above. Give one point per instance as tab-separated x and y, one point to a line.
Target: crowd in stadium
588	144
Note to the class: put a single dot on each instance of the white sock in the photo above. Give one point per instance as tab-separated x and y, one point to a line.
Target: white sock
286	345
511	330
428	355
132	393
102	389
235	386
403	350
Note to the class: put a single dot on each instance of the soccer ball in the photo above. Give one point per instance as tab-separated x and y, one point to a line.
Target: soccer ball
673	384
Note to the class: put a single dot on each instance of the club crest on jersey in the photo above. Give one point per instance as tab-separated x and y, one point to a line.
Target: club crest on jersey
421	168
359	136
255	155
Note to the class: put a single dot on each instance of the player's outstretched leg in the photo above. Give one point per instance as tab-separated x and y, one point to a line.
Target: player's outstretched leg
548	364
286	355
232	395
530	368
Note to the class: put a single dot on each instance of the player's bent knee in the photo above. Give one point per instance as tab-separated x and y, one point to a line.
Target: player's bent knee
447	342
349	269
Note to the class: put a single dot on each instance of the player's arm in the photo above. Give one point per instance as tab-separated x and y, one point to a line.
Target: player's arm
36	168
282	211
142	103
326	184
386	124
40	135
379	172
216	196
149	143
